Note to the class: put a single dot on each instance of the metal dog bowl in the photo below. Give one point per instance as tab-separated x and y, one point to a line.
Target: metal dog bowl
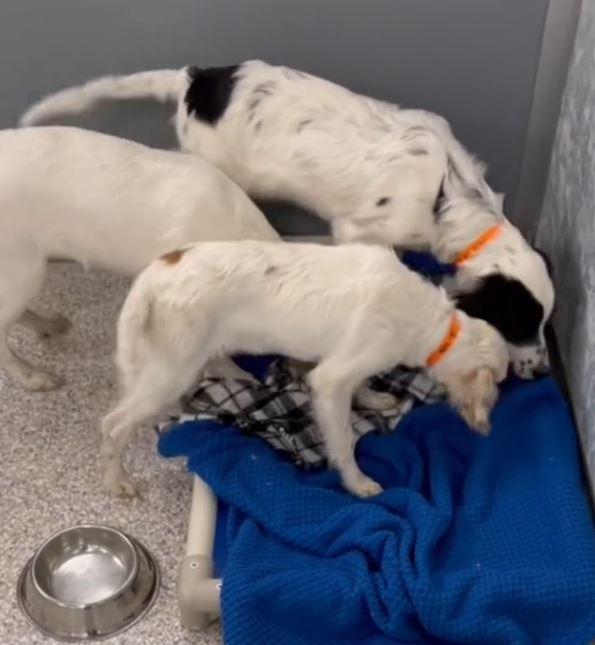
88	582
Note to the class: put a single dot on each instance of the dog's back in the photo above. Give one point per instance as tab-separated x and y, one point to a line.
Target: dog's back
294	299
103	200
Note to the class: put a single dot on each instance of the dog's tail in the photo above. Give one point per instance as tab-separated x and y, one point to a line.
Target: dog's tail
134	330
161	85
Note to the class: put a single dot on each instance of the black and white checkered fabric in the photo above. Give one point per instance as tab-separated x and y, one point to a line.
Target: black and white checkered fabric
279	410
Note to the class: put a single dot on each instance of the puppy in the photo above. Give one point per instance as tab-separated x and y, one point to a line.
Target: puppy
376	172
101	201
355	310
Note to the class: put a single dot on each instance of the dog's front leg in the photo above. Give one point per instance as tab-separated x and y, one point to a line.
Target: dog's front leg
331	401
116	430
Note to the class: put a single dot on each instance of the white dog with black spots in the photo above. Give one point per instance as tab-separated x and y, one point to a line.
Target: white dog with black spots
376	172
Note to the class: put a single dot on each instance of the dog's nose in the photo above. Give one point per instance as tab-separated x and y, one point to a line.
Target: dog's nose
530	368
541	370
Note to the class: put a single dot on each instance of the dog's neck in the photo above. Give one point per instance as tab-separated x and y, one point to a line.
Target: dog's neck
441	340
460	223
437	317
467	225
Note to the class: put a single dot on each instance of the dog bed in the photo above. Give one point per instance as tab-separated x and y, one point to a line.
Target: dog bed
473	541
277	409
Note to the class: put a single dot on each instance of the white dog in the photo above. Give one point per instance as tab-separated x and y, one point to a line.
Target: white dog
101	201
377	172
355	310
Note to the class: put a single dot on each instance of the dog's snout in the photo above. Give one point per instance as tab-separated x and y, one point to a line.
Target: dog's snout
542	369
530	368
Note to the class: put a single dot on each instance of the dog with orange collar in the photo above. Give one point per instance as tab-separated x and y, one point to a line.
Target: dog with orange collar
376	172
353	310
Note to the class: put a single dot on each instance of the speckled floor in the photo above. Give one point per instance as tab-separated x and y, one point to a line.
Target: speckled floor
49	460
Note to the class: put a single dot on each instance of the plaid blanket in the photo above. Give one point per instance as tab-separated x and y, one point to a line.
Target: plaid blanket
278	410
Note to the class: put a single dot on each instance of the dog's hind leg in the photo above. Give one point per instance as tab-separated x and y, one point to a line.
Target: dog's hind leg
161	382
21	278
46	324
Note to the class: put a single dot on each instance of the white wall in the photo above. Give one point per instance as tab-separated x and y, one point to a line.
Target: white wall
474	61
567	229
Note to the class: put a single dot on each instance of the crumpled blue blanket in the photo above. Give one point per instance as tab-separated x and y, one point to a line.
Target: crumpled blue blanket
474	540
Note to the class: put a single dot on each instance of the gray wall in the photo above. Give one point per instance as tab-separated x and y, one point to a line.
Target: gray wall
567	229
474	61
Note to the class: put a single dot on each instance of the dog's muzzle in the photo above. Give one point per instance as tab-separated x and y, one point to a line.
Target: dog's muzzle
530	362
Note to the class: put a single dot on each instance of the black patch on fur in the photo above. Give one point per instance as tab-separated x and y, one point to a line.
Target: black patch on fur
507	305
383	201
209	92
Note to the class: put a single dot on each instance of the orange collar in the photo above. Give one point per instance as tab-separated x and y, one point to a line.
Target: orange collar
479	244
447	342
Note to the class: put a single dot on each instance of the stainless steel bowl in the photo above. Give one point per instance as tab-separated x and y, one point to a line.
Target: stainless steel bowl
88	582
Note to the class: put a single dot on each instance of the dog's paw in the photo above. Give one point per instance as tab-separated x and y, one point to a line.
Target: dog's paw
55	326
41	381
122	487
364	487
371	400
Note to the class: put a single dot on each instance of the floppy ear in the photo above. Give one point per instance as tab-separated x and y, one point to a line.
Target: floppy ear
474	395
506	304
492	346
482	385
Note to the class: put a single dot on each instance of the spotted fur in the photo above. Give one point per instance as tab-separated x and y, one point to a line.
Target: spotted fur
376	172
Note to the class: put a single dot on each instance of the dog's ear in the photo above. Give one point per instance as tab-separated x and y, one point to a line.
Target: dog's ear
491	346
506	304
479	398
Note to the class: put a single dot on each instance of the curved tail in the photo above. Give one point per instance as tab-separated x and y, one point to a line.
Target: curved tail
161	85
134	328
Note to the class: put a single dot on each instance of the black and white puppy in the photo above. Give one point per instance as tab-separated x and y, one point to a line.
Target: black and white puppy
376	172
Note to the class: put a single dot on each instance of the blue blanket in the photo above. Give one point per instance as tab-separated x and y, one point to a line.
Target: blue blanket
473	541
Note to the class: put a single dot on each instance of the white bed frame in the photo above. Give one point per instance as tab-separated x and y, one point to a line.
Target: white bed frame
199	593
